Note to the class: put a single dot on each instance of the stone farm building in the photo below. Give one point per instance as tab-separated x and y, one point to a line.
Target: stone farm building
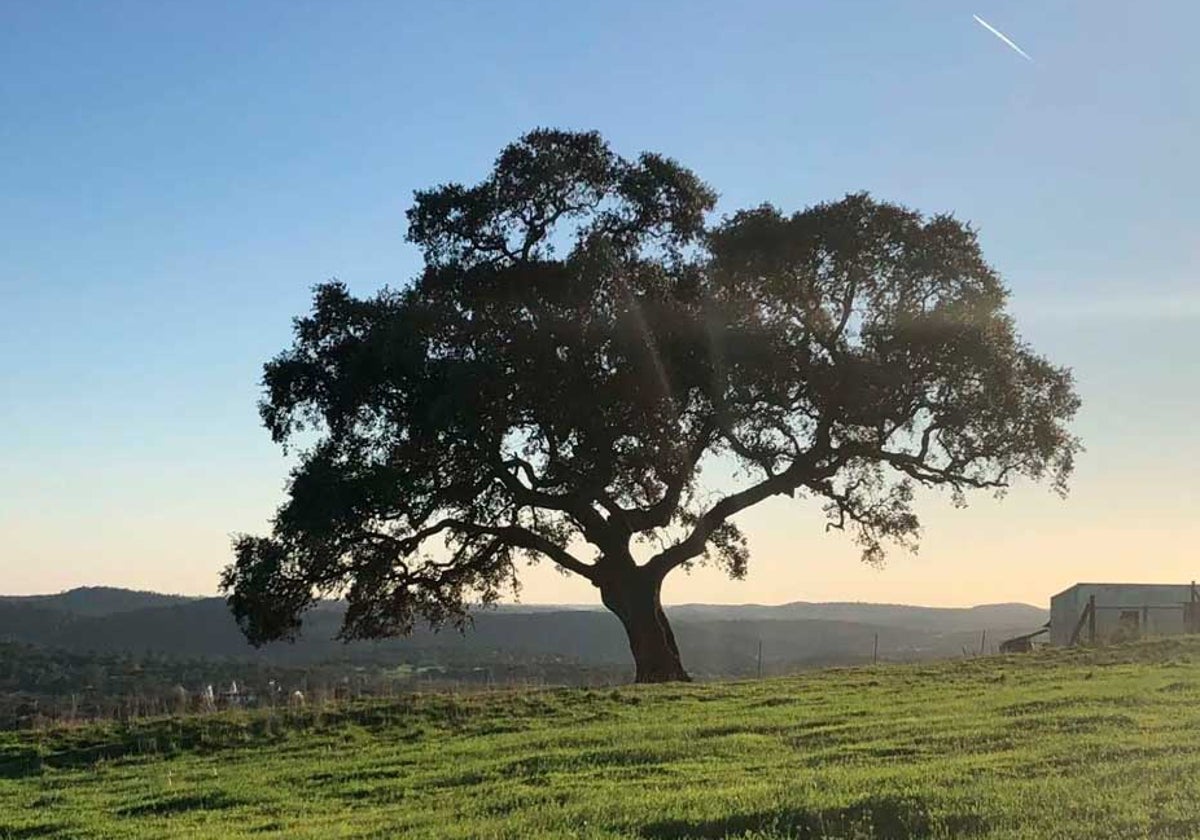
1102	612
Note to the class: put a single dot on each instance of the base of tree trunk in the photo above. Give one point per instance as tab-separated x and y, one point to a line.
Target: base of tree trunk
662	675
634	598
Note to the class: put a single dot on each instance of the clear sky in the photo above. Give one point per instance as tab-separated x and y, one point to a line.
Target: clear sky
175	176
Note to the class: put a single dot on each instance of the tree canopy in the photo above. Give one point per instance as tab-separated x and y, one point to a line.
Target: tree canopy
581	343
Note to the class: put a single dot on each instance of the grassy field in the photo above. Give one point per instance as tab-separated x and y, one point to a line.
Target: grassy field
1075	744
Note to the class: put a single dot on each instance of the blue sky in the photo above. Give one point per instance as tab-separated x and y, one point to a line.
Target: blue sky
176	176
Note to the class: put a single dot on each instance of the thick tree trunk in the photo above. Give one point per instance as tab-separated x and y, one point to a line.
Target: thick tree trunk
633	595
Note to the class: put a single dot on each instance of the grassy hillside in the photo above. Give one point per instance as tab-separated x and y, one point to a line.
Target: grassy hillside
1060	745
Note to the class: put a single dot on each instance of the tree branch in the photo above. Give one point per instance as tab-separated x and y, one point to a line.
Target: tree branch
659	514
915	466
800	471
514	535
589	521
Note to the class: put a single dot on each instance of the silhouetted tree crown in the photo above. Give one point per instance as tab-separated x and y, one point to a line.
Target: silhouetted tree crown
581	343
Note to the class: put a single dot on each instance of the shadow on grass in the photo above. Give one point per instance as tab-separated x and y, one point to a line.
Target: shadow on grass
894	818
27	831
31	753
180	804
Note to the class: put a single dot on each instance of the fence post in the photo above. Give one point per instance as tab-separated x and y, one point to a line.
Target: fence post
760	659
875	655
1083	616
1191	612
1092	619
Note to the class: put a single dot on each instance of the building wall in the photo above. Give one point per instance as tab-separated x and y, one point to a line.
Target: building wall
1064	613
1066	607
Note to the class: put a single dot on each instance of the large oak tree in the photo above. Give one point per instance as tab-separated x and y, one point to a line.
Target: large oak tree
581	344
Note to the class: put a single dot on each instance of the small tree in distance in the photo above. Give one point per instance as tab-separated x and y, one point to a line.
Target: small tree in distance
580	344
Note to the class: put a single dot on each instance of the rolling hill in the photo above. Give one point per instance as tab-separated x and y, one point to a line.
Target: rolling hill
715	639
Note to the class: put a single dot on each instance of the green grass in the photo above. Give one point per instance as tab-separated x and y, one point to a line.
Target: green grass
1075	744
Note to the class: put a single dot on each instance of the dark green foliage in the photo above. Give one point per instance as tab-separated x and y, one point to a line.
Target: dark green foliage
580	344
43	685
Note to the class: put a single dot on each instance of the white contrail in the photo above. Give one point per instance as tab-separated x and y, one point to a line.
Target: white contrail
1001	36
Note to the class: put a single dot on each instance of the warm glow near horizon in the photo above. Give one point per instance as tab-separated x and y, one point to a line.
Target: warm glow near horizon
1023	548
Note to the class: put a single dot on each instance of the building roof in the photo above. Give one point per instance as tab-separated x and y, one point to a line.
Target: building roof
1175	585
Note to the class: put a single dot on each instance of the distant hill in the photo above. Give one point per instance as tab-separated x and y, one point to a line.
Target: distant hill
899	615
97	600
715	639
